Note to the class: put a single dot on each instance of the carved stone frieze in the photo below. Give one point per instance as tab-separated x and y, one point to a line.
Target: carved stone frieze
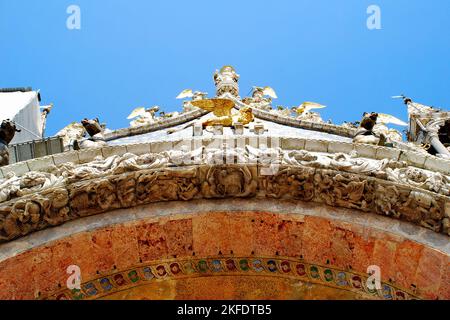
38	200
289	183
229	181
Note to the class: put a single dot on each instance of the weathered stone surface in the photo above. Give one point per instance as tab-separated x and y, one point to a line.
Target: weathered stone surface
105	250
387	187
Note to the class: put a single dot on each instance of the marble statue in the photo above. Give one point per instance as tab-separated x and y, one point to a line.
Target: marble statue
194	95
71	133
143	116
304	112
261	98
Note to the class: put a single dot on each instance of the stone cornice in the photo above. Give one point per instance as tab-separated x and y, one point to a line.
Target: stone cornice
302	124
159	125
419	160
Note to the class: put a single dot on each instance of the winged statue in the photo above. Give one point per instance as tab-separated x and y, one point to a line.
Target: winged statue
143	116
221	108
373	129
306	107
264	91
187	93
384	118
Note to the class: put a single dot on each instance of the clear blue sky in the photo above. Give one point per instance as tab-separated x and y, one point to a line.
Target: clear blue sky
141	52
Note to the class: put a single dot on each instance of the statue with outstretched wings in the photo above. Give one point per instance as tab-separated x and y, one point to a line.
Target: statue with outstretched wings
221	108
187	93
307	107
389	119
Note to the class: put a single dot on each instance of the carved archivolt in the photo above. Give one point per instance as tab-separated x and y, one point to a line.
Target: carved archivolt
38	200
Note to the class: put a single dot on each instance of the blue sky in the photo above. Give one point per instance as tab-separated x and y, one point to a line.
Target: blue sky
143	53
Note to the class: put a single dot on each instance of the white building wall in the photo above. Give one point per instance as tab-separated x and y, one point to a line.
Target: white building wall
23	108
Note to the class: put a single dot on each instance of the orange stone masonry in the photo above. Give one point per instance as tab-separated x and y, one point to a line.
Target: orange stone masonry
41	271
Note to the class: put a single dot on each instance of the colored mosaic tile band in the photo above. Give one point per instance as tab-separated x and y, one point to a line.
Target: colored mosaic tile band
278	267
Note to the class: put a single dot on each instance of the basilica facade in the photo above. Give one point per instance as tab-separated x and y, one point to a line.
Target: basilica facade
232	197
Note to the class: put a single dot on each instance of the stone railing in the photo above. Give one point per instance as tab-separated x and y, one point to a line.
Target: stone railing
35	149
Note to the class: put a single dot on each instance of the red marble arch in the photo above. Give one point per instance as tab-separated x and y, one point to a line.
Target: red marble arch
41	271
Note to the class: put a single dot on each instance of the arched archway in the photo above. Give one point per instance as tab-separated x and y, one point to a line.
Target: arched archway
185	250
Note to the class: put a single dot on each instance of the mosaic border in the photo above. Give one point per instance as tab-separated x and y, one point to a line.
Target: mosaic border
223	266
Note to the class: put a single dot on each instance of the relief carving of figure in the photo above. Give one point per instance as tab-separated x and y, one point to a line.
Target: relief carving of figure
225	181
290	183
24	217
56	210
420	178
105	194
126	191
82	199
421	208
112	165
167	186
341	161
346	191
387	199
144	184
30	182
278	185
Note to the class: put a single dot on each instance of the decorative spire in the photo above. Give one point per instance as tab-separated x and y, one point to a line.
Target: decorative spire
226	81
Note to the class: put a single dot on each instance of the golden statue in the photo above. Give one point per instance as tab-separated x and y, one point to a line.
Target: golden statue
221	108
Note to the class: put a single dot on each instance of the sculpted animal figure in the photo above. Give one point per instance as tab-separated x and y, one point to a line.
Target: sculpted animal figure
92	127
365	133
222	110
373	129
7	131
